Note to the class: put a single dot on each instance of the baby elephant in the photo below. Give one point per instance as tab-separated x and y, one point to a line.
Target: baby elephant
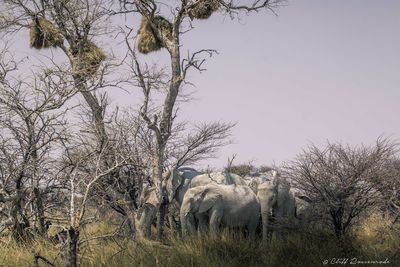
220	205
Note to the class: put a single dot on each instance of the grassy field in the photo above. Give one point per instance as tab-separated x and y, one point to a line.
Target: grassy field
373	240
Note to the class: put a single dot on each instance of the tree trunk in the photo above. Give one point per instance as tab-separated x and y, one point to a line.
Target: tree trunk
154	203
161	219
157	173
162	133
39	210
131	220
143	225
73	239
19	221
337	219
37	202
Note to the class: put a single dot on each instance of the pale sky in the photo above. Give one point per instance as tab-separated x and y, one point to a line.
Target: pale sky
321	70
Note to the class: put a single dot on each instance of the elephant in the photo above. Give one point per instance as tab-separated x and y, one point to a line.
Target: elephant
284	209
177	182
267	193
277	203
303	204
180	180
253	180
223	205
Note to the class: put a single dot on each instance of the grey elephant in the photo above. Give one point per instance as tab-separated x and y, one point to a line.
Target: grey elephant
277	203
267	195
303	204
223	205
284	209
177	182
253	180
180	180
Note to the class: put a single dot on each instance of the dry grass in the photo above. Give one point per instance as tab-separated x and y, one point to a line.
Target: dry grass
13	254
378	236
369	242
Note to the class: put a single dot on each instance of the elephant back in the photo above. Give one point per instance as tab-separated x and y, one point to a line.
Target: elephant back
222	178
236	179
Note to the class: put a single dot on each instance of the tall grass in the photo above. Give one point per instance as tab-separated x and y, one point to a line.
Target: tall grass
373	240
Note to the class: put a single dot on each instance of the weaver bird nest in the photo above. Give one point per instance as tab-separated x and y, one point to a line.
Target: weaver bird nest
43	34
203	9
87	61
148	41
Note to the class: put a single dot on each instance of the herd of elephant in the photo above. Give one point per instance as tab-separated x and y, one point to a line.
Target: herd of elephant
212	201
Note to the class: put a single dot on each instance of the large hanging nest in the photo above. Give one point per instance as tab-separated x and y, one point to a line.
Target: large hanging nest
204	9
88	61
148	40
43	34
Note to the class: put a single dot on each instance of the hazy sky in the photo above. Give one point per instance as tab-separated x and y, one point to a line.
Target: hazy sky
321	70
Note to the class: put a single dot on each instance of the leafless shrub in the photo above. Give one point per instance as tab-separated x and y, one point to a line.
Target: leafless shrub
340	179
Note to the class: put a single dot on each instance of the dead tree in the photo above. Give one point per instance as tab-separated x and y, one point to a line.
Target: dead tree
30	123
83	170
157	32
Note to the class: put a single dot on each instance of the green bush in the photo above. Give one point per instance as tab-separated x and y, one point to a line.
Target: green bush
241	169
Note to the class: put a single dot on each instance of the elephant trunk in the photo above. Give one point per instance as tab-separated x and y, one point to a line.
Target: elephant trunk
187	223
266	203
265	221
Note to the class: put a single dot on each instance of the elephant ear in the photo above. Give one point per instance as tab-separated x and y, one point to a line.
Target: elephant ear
208	201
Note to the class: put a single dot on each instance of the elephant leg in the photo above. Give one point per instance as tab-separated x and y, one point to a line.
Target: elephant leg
188	224
202	223
191	224
215	221
251	229
268	230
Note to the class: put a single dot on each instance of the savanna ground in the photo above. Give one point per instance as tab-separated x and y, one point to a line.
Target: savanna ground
375	239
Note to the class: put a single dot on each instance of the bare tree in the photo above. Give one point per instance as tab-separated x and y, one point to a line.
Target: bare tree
341	179
84	171
388	184
73	26
30	125
70	26
167	34
201	142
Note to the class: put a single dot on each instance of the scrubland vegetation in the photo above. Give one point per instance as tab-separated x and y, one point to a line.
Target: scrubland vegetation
86	183
374	239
